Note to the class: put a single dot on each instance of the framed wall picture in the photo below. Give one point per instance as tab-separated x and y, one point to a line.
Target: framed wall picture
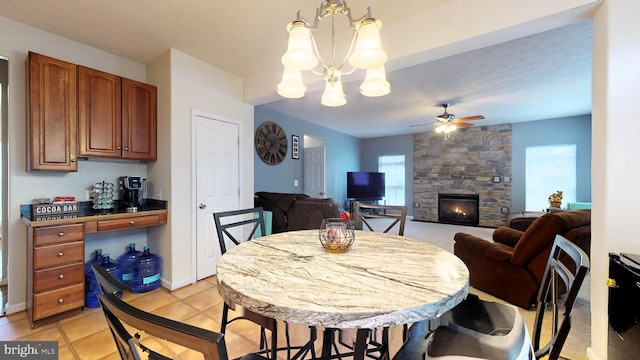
295	146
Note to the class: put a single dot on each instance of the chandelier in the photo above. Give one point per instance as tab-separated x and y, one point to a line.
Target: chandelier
365	52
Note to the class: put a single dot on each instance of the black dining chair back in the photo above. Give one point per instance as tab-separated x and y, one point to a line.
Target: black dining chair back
365	213
566	269
478	329
123	317
225	221
251	219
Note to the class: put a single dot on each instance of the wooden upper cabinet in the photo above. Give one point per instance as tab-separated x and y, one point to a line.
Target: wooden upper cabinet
139	121
52	114
99	114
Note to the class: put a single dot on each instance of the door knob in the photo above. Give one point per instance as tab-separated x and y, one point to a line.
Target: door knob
202	206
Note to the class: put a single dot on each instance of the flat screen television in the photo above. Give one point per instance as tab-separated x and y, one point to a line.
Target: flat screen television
365	185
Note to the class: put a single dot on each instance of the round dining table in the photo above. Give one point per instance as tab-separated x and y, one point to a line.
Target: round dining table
383	280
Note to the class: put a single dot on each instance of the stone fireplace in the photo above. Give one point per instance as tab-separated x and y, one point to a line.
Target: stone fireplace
471	161
460	209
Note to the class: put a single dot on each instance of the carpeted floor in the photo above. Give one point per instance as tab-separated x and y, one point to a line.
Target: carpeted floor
580	336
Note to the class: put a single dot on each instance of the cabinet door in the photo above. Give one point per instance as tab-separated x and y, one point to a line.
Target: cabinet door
99	120
138	121
52	101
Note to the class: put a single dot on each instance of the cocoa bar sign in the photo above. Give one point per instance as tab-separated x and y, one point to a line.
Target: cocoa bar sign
53	209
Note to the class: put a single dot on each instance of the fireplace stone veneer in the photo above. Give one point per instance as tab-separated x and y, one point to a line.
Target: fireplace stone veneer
466	163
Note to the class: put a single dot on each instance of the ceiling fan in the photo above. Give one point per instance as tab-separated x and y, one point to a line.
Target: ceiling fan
447	123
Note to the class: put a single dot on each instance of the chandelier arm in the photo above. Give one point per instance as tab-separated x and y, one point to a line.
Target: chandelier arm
315	49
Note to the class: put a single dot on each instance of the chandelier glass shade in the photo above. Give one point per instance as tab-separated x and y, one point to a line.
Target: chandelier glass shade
365	52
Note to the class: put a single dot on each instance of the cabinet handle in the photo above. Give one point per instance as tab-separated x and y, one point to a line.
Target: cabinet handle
60	301
73	159
131	222
61	276
119	147
60	254
60	234
126	148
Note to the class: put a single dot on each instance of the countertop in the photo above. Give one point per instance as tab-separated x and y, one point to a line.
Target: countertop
87	214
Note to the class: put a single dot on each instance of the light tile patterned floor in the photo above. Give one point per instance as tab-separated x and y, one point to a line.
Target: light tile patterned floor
87	336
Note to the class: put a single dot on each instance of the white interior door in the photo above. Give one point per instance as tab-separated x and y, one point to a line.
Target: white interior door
217	185
314	169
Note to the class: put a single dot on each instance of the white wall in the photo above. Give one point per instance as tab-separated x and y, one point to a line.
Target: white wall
16	41
194	86
615	170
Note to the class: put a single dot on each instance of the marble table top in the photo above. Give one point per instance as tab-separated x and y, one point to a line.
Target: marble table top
383	280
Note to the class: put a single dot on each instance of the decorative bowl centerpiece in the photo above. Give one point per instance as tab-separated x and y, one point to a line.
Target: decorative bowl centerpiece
336	234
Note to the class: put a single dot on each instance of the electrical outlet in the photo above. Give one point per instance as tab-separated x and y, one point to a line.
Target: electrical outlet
496	179
507	179
416	205
295	182
504	210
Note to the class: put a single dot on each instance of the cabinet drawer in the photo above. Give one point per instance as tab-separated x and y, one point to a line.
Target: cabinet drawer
57	234
57	301
138	221
55	255
48	279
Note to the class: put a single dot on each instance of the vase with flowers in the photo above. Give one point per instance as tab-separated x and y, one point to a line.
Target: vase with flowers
337	234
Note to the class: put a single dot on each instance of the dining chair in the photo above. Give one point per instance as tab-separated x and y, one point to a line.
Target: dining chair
123	317
478	329
364	213
251	219
149	328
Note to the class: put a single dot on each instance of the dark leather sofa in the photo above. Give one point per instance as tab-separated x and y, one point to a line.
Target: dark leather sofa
511	266
296	211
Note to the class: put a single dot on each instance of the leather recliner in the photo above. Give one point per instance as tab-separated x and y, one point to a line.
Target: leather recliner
511	267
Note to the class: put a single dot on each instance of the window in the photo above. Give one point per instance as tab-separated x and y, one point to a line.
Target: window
549	169
393	168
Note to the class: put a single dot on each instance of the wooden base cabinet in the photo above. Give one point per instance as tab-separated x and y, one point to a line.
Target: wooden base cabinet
55	260
55	285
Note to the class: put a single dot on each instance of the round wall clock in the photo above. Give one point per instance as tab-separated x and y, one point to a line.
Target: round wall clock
271	143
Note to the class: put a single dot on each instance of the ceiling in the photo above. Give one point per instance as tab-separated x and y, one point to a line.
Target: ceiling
516	74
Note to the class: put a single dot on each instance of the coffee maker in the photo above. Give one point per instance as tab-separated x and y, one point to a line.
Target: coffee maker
131	192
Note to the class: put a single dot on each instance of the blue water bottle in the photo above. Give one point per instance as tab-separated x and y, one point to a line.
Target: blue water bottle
126	261
91	287
112	268
146	272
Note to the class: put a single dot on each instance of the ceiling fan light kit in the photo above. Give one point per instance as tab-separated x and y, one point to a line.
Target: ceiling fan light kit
447	123
365	52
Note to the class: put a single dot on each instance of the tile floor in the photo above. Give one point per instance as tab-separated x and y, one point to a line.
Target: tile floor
87	336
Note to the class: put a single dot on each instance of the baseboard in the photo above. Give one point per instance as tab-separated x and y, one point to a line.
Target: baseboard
10	309
591	355
175	285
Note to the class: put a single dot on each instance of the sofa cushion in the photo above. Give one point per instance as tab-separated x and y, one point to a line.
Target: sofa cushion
308	213
538	236
281	200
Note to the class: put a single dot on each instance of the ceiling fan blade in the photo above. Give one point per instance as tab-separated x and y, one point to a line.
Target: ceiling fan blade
462	124
469	118
416	125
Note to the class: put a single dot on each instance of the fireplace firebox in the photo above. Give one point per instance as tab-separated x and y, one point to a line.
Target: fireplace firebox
462	209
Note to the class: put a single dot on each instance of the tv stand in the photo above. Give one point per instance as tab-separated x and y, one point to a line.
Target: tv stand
351	203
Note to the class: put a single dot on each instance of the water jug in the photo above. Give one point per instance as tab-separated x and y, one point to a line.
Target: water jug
125	261
112	268
91	287
146	272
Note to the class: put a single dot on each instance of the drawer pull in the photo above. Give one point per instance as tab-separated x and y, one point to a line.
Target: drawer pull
131	222
60	301
60	254
61	234
61	276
